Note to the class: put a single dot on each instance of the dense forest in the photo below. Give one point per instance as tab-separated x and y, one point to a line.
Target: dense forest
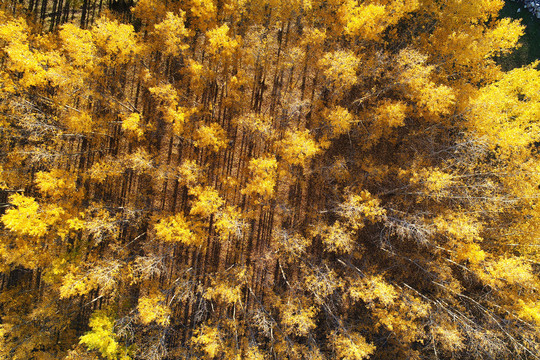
267	179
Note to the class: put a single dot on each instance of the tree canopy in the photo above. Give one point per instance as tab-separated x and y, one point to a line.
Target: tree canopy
262	179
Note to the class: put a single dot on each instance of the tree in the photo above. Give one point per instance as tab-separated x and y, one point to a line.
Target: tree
267	179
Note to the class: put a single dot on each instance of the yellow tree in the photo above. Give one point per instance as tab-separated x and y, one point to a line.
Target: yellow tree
268	179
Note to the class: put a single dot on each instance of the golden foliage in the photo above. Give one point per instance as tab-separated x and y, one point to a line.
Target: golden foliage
176	228
208	201
212	137
360	207
255	179
151	308
172	32
340	68
373	289
207	338
337	238
27	218
115	42
340	120
103	339
367	21
132	123
351	346
220	42
298	147
263	177
229	223
297	319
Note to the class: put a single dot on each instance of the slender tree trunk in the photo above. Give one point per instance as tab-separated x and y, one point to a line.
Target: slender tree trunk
53	15
31	6
65	17
84	11
43	11
59	11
